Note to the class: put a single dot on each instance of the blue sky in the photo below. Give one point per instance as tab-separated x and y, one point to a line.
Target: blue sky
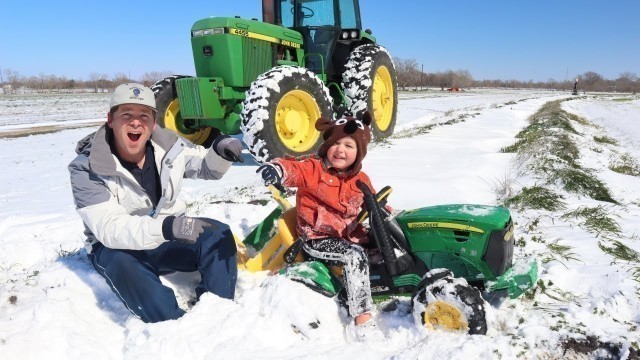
517	39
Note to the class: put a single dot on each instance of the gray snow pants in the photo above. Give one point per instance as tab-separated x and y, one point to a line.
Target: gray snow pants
353	258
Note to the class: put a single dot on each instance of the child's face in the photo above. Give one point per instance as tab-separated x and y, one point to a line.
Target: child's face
343	153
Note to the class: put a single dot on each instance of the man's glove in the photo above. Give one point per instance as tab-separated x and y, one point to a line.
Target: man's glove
228	148
271	175
183	228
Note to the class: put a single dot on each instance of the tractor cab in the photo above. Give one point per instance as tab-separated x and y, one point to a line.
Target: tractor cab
330	29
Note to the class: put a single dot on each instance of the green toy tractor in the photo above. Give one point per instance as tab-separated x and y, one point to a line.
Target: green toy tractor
272	80
448	259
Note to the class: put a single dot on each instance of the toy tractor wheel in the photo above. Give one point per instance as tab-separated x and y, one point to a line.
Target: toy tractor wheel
280	112
369	82
449	303
169	113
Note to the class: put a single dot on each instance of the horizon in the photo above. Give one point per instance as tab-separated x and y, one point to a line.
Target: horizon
538	41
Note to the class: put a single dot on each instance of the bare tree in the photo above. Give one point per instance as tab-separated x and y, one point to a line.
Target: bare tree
150	78
94	78
120	78
591	81
13	78
627	82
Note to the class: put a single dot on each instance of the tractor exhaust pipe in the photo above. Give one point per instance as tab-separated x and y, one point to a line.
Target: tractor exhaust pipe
268	12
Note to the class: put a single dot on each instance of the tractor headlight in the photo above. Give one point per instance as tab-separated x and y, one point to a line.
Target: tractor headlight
204	32
354	34
344	35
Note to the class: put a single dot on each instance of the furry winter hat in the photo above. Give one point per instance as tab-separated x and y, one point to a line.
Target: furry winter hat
357	128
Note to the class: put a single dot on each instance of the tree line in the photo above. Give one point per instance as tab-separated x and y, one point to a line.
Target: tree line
410	76
12	82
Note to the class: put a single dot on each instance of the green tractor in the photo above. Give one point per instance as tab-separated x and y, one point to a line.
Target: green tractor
272	80
450	260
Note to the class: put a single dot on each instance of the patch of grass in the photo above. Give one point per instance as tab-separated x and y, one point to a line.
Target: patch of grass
580	181
559	253
578	119
622	99
605	140
547	144
419	130
595	220
625	164
565	149
63	253
537	197
619	250
381	141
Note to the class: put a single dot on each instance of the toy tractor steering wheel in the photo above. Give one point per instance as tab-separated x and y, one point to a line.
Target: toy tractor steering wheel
381	199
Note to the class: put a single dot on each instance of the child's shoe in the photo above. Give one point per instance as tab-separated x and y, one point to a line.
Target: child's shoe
367	332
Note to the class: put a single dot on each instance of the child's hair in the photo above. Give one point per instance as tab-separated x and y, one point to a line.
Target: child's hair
357	128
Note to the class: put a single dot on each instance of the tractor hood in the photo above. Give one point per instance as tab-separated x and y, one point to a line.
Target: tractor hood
463	217
248	28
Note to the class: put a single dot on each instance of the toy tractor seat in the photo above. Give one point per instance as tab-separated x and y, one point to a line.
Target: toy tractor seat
271	256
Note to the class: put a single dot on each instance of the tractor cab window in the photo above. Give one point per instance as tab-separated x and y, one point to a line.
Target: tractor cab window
319	23
349	14
299	13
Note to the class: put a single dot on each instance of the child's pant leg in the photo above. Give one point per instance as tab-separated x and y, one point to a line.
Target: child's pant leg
340	252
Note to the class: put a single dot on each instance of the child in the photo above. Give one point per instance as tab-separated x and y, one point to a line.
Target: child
328	203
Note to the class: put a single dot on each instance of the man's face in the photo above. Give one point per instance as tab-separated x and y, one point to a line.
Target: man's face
132	125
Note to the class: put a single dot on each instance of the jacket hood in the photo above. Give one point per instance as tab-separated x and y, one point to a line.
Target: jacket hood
84	145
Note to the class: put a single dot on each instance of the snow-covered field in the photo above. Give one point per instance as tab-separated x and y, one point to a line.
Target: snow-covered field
54	305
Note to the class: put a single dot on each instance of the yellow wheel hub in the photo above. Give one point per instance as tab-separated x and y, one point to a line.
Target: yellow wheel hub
382	97
442	315
172	121
295	119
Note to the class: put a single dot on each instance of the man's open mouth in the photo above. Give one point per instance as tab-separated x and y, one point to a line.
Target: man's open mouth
134	136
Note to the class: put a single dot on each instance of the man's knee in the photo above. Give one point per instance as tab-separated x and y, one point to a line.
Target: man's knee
220	237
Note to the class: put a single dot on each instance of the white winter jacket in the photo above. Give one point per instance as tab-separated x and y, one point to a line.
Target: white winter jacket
115	209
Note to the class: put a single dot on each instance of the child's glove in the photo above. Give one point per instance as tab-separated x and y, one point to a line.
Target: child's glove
228	148
271	174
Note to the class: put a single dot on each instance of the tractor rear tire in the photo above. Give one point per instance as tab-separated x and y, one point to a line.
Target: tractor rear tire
449	304
169	117
280	112
370	82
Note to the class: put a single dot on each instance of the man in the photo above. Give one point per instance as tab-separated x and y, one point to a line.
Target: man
125	181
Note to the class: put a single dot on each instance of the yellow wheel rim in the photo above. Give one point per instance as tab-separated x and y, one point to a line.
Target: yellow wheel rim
295	119
382	97
173	121
442	315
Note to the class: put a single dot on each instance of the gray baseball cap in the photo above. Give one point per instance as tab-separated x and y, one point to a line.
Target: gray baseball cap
133	93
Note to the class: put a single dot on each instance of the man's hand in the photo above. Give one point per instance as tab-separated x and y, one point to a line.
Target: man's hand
271	175
228	148
183	228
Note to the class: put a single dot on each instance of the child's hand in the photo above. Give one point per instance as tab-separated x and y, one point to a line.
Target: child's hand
271	175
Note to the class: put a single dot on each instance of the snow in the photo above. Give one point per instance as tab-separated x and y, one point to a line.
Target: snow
53	304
